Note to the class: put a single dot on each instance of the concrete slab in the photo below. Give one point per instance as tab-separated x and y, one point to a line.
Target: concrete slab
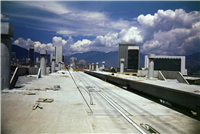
70	111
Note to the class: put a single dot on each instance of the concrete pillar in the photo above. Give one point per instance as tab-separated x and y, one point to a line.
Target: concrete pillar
92	66
53	64
122	66
97	66
103	64
59	66
7	31
151	65
43	61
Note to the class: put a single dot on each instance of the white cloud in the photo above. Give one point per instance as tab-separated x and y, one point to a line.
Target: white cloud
165	32
24	43
170	32
3	17
68	21
169	19
67	32
180	41
81	46
131	35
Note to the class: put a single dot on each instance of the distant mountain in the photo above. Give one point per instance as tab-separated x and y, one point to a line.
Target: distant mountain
193	59
96	56
111	58
23	53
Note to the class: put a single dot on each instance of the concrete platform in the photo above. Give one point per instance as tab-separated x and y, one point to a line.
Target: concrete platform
185	95
71	111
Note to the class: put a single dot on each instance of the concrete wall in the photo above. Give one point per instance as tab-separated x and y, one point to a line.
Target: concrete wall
144	73
181	79
170	74
21	72
174	75
169	93
161	76
33	70
7	31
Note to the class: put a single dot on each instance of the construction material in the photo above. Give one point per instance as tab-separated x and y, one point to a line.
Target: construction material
45	100
36	106
29	93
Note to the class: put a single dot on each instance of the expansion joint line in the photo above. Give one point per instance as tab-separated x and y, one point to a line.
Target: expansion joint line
80	92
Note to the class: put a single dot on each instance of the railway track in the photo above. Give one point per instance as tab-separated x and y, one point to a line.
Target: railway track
103	91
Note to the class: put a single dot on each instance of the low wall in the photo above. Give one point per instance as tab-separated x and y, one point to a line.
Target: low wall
183	95
19	71
174	75
161	76
170	74
144	73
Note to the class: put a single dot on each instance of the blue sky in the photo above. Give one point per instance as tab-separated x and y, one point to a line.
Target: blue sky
164	28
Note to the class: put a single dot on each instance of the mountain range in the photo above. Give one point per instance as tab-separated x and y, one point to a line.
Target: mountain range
23	53
110	58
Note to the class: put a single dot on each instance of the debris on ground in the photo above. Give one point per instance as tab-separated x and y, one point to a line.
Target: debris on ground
37	105
57	87
37	89
29	93
64	76
45	100
54	88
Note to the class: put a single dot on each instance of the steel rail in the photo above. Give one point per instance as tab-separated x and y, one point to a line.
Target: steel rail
91	100
118	110
80	91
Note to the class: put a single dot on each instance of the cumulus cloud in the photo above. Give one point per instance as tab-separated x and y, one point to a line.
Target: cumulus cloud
170	32
3	17
131	35
109	42
169	19
50	47
24	43
166	32
179	41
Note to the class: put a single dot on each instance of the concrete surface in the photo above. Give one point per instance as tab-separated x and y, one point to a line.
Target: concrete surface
71	112
184	95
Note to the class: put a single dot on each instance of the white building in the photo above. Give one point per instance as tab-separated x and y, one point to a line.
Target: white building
168	63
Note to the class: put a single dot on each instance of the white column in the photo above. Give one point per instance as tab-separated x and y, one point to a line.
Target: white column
92	66
122	66
103	64
43	61
97	66
53	64
151	65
